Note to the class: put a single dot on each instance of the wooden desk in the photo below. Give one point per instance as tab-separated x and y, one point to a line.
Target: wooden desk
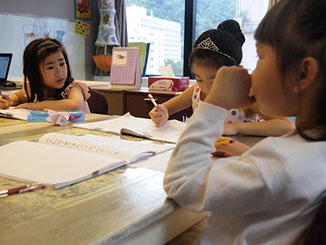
134	101
124	206
14	129
137	103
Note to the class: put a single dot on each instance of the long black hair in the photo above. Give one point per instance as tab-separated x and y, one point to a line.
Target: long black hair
296	29
35	53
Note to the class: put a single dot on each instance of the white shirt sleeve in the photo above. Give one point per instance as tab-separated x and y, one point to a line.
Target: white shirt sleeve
199	183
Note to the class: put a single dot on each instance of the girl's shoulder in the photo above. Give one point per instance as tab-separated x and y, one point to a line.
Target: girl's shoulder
83	87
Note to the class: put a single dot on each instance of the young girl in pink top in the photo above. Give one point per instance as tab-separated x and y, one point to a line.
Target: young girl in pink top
47	80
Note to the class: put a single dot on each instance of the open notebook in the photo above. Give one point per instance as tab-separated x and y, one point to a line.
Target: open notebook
59	160
139	127
11	112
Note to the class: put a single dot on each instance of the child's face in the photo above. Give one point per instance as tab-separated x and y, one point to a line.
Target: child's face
205	77
272	91
54	70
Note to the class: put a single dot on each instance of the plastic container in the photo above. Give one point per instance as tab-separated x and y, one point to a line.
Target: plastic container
40	116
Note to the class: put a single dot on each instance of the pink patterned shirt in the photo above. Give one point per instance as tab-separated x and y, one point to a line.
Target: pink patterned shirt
234	115
84	89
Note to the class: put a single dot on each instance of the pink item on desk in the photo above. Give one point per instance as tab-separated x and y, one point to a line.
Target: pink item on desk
60	118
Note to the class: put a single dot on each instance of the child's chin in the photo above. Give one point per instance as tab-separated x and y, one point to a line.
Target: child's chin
60	85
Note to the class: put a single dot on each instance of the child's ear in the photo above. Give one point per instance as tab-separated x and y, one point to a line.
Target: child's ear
308	73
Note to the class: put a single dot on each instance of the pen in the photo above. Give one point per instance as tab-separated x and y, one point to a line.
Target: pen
2	95
13	190
150	96
225	142
21	189
32	188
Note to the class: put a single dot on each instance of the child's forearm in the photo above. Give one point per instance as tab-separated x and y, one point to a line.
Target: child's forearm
172	106
273	127
180	102
16	98
64	104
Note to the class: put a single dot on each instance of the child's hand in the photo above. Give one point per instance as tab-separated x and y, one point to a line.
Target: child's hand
159	115
228	150
231	88
5	101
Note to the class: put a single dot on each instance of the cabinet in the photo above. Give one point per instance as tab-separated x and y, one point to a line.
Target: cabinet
115	100
137	103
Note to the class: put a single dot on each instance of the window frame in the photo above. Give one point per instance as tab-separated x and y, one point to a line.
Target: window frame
189	33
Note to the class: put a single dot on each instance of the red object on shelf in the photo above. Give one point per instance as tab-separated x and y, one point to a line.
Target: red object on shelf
168	83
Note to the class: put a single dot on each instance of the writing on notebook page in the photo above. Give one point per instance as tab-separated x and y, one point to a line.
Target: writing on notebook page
122	149
140	127
59	160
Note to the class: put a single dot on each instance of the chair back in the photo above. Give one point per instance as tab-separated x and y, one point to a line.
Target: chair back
317	230
97	102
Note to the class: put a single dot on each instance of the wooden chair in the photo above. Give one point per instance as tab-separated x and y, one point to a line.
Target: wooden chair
317	230
97	102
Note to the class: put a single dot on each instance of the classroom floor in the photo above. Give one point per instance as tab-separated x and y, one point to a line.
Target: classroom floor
189	236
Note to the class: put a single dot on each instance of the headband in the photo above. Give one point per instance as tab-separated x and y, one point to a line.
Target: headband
209	45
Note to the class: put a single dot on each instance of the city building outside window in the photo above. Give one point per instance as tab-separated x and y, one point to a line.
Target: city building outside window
161	23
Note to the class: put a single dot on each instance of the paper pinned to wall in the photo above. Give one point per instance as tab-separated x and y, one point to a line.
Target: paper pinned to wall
82	28
14	27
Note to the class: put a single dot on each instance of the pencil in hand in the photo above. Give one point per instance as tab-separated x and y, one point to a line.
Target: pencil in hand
2	96
150	96
224	142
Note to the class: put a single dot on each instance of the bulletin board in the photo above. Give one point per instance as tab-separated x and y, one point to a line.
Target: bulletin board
18	30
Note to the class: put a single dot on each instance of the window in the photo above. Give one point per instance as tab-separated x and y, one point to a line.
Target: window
210	13
162	23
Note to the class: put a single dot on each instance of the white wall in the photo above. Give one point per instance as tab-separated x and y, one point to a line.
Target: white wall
12	40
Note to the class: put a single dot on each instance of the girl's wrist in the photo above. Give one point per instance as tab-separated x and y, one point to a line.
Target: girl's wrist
215	100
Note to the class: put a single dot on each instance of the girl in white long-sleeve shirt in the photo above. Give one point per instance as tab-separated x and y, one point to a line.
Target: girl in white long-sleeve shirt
270	193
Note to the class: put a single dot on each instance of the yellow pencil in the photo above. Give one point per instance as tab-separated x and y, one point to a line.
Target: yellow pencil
224	142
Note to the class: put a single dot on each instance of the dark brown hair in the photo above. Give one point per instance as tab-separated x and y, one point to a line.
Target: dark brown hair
296	29
34	54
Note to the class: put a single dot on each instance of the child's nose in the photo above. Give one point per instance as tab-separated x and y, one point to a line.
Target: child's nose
59	71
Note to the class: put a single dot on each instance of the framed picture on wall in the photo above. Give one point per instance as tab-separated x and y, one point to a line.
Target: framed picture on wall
83	9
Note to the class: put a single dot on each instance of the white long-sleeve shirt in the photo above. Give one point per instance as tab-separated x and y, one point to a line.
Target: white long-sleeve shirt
268	195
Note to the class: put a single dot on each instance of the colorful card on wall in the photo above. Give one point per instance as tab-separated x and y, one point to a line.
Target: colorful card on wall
82	28
83	9
125	68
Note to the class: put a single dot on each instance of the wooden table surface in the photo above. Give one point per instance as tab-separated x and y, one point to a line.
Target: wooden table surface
124	206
